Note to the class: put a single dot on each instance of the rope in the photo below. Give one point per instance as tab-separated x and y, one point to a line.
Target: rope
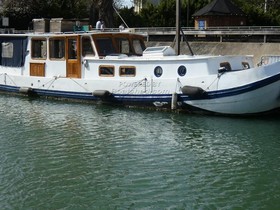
180	84
10	79
55	78
218	77
80	85
51	81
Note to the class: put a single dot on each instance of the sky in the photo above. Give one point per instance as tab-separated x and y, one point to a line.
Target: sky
126	3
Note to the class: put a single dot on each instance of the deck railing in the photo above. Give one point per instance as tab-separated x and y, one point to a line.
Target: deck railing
218	32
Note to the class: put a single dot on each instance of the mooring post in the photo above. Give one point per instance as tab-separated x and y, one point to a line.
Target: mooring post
174	101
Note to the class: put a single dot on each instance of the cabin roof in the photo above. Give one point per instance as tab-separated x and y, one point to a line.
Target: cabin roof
219	7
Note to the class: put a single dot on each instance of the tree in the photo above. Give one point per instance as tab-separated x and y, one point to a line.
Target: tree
21	13
261	12
131	18
104	10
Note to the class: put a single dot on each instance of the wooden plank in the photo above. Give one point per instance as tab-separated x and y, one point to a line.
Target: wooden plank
37	69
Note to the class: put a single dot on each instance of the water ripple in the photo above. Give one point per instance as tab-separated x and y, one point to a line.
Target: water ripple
56	155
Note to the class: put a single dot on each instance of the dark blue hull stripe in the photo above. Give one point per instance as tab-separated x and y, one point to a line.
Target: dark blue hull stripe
142	98
235	91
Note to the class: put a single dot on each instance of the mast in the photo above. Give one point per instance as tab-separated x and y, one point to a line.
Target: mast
178	26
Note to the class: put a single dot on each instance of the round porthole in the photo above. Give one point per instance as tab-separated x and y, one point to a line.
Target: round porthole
158	71
182	70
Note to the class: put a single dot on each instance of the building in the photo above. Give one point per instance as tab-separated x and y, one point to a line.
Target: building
138	4
219	13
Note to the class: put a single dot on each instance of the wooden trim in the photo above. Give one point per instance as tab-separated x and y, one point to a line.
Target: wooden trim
127	75
51	50
73	64
39	57
106	75
37	69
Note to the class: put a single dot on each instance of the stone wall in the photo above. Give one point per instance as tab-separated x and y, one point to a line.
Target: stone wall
227	48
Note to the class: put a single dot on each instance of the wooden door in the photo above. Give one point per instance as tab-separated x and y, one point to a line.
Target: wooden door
73	57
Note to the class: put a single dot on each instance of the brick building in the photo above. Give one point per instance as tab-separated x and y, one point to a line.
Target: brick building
219	13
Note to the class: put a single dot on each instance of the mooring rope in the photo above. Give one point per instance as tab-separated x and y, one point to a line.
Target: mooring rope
51	82
55	78
10	79
80	85
218	77
180	85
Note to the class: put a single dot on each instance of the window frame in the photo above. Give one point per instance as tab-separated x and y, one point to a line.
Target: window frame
158	71
127	75
83	47
7	53
106	75
51	50
41	39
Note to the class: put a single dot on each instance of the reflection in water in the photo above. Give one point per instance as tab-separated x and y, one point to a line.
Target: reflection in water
61	155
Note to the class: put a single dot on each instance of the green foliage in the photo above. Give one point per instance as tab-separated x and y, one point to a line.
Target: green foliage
164	14
256	14
21	12
131	18
150	15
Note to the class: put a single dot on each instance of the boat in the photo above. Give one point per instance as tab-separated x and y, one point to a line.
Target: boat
116	68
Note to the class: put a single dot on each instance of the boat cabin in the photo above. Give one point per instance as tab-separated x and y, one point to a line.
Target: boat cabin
64	54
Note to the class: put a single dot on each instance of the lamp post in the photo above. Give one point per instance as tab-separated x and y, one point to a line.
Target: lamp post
178	26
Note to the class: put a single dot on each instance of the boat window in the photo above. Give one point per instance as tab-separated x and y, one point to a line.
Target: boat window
245	65
87	49
7	49
138	46
39	48
182	70
127	71
158	71
226	65
13	50
57	48
106	71
72	48
105	46
123	46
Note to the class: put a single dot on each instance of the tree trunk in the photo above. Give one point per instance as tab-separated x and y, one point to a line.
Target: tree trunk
106	11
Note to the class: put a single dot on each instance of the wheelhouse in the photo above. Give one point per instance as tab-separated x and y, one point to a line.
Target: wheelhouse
109	44
69	53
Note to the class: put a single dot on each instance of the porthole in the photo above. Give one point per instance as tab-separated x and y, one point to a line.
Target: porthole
158	71
182	70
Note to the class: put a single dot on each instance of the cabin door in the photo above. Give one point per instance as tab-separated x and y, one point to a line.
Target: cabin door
73	57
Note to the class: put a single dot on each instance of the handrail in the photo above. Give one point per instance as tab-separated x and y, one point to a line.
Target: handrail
218	28
163	30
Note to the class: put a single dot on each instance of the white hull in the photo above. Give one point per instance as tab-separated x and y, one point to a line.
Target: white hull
158	79
261	100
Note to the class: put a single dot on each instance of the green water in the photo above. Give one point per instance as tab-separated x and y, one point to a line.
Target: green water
56	155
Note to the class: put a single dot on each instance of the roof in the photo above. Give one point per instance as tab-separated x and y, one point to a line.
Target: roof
219	7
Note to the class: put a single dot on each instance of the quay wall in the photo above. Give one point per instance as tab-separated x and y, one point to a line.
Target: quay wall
227	48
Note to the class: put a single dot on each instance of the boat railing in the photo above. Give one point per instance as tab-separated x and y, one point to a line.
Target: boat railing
269	59
7	30
171	30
